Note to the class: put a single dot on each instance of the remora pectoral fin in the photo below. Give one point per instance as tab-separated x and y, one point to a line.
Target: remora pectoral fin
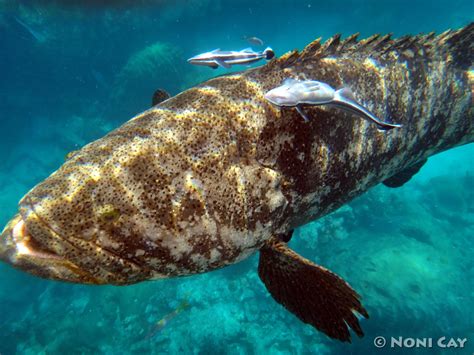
222	64
302	113
402	177
314	294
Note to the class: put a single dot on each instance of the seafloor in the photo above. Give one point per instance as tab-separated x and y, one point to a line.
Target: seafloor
72	71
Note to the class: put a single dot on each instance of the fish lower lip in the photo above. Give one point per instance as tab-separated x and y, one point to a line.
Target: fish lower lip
21	250
18	243
7	243
19	230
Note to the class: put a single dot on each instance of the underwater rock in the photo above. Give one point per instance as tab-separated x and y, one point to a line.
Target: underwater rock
145	70
450	198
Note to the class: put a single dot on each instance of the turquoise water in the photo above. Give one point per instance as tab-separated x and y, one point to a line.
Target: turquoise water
71	73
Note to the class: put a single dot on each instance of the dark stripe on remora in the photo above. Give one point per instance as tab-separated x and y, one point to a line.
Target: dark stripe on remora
236	57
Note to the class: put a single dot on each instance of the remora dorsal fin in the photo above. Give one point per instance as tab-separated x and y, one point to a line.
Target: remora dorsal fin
314	294
347	93
402	177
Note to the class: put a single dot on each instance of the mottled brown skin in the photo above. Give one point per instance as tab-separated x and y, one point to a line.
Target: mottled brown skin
209	176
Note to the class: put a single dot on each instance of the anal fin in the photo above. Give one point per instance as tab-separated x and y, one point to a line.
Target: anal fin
314	294
402	177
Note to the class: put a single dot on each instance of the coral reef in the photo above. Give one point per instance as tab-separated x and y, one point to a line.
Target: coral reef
145	71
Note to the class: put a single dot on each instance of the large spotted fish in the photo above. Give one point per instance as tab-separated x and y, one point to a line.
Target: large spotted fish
216	173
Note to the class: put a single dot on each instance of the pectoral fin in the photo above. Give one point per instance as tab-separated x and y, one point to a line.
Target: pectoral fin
222	64
302	113
314	294
402	177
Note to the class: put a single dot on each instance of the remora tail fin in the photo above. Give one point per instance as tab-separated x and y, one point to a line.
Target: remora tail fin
345	99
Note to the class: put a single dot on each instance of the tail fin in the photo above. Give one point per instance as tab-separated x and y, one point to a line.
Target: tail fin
385	126
269	53
460	44
345	99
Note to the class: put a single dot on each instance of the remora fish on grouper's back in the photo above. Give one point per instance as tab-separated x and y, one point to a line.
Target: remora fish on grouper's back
208	177
226	59
294	93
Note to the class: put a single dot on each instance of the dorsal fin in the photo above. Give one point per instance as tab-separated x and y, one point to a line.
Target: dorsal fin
159	96
459	44
365	44
331	45
382	42
311	48
349	41
285	61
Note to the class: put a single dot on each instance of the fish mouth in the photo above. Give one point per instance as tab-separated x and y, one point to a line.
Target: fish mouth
21	249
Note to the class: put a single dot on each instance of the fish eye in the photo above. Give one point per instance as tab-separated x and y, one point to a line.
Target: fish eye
108	213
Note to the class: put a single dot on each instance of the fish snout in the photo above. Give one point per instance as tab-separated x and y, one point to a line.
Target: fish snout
17	246
23	250
280	97
8	247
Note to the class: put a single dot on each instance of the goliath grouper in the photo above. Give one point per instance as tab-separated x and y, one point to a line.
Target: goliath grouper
210	176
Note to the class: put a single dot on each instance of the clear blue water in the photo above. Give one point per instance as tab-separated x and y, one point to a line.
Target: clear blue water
71	73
